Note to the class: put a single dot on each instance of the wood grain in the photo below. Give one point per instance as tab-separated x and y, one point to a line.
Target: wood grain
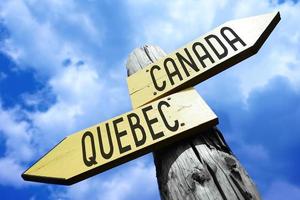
202	167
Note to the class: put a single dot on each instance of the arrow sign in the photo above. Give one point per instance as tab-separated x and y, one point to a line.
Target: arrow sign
202	58
123	138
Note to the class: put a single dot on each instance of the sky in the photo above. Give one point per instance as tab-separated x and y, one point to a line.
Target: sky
62	69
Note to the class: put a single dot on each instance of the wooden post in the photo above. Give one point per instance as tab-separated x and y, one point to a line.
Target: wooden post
202	167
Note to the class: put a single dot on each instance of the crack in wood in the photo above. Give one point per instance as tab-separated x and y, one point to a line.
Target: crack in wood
215	179
147	53
201	167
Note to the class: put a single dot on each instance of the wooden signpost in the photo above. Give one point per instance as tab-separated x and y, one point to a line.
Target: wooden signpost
201	59
200	167
122	138
166	110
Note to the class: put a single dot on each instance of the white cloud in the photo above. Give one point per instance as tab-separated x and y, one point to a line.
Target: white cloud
43	40
85	95
282	190
76	90
17	135
82	99
10	172
134	180
42	35
279	53
170	24
17	147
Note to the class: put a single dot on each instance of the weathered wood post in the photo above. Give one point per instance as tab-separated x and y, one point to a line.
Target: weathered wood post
202	167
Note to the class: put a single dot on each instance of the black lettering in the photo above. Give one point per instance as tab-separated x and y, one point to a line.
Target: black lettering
134	127
205	56
88	161
176	71
234	40
119	135
159	88
150	122
111	147
190	62
176	123
219	55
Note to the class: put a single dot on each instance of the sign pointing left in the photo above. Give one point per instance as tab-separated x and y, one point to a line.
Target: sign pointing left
123	138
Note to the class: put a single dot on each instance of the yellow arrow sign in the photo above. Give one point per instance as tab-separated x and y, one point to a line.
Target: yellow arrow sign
202	58
123	138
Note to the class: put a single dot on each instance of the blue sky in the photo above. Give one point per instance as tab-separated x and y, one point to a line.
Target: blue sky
62	69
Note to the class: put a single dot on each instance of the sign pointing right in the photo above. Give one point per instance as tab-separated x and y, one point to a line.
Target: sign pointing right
202	58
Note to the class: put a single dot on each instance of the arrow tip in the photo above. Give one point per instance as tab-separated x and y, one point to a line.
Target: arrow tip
43	179
37	170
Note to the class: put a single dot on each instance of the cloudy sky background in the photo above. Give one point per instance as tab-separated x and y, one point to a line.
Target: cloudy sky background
62	69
